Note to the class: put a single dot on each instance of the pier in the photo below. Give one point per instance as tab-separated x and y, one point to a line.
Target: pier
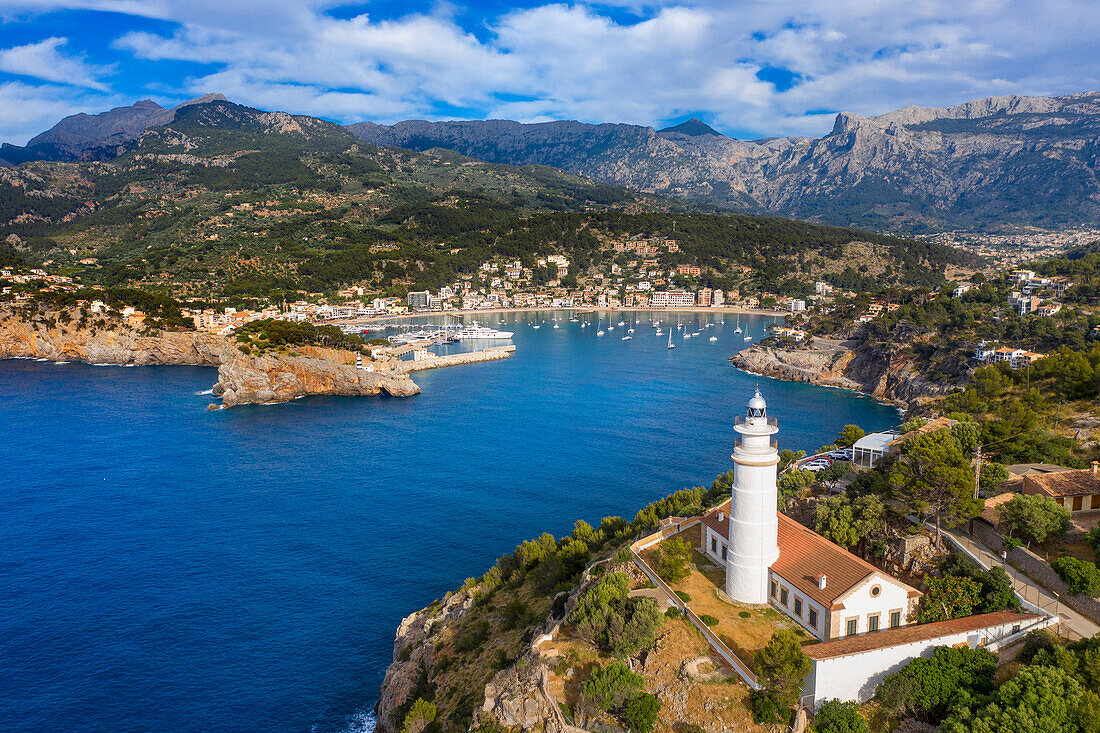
433	361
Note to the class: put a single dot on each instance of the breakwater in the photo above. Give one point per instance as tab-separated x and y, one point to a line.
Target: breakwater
434	361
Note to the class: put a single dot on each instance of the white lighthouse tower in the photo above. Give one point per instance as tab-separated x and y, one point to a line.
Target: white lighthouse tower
754	527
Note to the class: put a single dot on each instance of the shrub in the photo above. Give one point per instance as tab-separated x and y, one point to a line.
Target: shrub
1081	576
1034	518
419	716
839	717
640	713
744	614
948	598
780	667
672	612
611	686
928	686
606	617
683	596
672	559
709	620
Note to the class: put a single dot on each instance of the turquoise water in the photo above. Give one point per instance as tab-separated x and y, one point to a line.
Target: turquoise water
170	568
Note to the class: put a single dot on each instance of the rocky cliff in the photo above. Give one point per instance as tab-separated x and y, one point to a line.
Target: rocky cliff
1006	159
878	373
242	378
46	336
278	377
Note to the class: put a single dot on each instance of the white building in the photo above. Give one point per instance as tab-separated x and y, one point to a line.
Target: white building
869	449
861	614
796	306
960	290
771	558
672	299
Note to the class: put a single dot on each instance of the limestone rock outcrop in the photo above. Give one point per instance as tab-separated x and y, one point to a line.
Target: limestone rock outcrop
242	378
281	377
885	376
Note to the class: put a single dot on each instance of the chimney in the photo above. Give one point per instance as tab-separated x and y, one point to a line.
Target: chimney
1096	466
821	580
722	515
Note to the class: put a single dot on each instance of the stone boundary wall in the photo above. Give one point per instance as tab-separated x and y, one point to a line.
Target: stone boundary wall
1038	570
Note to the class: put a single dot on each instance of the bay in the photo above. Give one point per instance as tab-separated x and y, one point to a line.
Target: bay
165	567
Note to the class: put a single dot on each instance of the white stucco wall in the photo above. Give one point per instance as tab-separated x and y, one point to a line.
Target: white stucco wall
860	604
804	620
856	676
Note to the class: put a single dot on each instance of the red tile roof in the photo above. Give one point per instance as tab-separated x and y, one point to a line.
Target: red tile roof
909	634
804	555
1065	483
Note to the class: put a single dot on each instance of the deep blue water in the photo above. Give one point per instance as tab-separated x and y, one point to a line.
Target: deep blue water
168	568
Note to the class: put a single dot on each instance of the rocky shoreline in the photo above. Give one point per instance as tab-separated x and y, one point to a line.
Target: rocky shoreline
242	378
880	374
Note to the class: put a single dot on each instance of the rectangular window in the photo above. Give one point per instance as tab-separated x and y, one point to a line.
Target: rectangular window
1094	502
783	596
798	607
872	623
895	619
724	548
813	619
1016	629
1077	503
714	545
773	589
852	624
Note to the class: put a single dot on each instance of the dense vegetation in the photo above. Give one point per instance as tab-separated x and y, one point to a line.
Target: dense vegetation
227	201
270	333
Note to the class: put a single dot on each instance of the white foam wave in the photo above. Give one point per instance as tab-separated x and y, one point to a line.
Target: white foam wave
206	391
362	722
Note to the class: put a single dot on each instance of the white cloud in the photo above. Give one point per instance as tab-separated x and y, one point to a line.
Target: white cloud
585	62
26	110
44	60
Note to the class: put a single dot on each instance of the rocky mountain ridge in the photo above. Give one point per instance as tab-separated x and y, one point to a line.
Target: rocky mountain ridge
97	137
995	161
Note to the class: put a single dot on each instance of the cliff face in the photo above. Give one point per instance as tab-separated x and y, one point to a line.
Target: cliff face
281	377
39	339
273	377
880	374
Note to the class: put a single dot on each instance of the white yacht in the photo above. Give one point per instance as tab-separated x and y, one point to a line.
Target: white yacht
738	329
475	332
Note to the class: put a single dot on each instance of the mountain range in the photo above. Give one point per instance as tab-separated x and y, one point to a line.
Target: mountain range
992	163
225	200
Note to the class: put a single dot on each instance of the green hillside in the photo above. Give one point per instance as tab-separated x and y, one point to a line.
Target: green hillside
229	200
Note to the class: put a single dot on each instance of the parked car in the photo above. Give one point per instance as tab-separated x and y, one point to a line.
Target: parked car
843	454
817	465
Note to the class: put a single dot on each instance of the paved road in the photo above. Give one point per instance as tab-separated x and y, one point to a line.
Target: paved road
1025	587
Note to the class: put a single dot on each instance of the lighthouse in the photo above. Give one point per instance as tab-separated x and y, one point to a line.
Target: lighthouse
754	524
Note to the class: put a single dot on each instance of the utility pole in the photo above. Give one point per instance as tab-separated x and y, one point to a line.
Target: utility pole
977	469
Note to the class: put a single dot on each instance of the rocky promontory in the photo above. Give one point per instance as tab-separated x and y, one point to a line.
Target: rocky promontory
278	377
274	376
880	373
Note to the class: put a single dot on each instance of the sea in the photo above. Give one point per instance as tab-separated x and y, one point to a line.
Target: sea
165	567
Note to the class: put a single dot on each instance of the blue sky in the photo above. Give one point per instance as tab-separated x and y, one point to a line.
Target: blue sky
751	69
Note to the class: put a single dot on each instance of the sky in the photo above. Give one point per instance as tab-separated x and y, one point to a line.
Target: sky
749	68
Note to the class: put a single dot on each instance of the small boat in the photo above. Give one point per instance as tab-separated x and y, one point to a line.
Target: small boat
738	329
599	326
555	324
748	337
627	338
670	344
536	325
620	323
660	332
713	339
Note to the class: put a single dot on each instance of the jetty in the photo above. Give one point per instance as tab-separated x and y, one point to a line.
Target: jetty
425	360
